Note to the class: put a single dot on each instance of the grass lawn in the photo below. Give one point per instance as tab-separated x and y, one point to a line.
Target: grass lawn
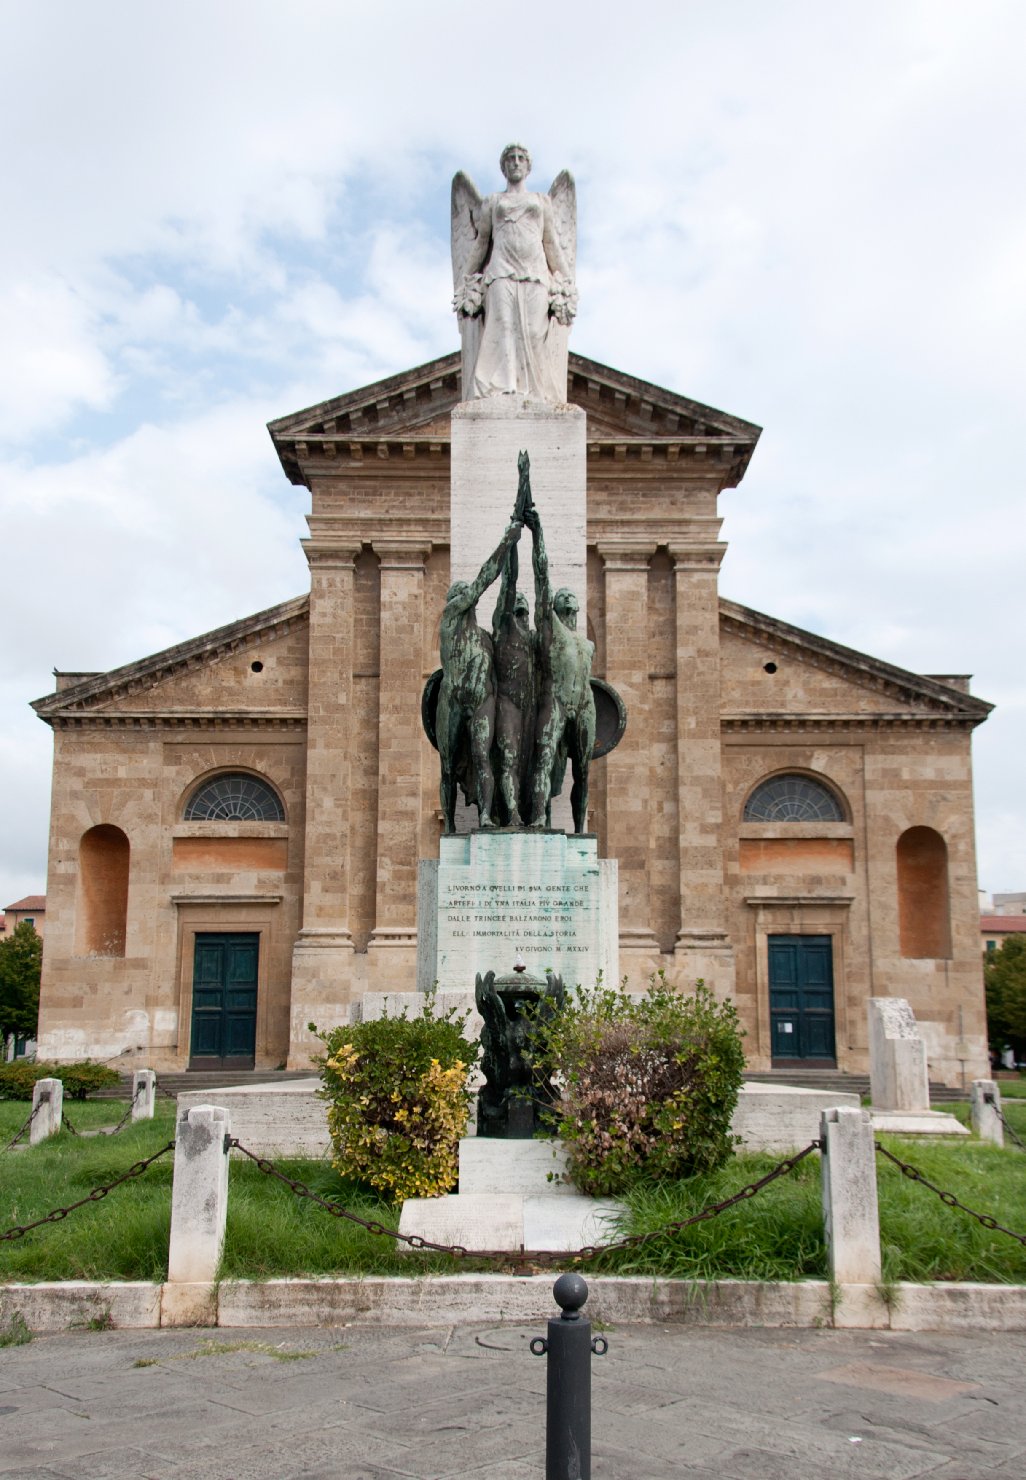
777	1235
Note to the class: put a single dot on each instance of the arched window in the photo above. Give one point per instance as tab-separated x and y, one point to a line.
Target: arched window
924	916
792	799
102	914
235	797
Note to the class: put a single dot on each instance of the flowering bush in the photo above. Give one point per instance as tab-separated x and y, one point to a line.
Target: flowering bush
649	1084
399	1097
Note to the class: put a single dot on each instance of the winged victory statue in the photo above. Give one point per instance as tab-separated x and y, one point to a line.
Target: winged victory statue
514	258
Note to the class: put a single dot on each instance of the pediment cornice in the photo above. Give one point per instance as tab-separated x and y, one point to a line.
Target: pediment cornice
406	416
93	695
916	696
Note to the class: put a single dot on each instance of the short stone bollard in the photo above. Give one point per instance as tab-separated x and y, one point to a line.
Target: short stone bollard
47	1110
144	1094
850	1209
569	1347
199	1195
985	1106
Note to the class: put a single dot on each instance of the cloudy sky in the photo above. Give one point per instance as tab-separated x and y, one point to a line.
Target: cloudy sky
219	211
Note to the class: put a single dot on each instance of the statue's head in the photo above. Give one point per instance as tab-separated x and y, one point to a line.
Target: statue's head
566	606
515	158
521	607
459	590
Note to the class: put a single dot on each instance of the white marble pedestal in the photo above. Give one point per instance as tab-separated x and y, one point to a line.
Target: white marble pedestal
506	1202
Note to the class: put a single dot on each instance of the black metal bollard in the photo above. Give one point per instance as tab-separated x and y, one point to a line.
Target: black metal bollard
569	1347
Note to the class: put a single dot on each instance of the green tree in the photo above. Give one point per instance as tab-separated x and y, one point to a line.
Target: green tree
21	960
1004	976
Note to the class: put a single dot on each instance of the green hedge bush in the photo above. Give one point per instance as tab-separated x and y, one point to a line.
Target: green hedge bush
80	1080
649	1084
398	1093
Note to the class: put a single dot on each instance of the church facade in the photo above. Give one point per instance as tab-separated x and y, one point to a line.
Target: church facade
237	821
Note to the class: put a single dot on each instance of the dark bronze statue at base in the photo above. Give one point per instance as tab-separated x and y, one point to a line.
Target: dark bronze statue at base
512	1102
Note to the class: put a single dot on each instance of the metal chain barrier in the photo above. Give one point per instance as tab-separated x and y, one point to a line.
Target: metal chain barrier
1014	1135
127	1115
66	1123
525	1256
948	1198
97	1194
18	1134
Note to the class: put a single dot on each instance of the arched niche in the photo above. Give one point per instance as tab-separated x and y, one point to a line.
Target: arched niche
102	913
924	914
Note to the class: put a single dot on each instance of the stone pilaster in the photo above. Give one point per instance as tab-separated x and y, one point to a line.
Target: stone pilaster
322	960
628	780
703	948
392	951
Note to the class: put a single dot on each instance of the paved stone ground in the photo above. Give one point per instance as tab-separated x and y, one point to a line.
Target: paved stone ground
366	1404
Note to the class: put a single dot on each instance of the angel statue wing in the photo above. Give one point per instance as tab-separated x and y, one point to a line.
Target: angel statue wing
465	213
563	195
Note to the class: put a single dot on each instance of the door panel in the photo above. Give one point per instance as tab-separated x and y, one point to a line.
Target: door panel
224	994
801	983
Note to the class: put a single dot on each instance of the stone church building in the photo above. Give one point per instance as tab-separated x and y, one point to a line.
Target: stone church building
237	821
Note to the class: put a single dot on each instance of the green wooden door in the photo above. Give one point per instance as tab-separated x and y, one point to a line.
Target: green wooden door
224	993
801	985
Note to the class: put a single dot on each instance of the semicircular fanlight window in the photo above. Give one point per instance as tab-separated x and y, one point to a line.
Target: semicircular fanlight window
792	799
235	798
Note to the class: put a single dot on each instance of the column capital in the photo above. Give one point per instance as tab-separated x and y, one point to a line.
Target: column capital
626	554
697	555
401	554
329	554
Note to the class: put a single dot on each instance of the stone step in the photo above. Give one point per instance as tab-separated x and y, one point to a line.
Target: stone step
177	1082
837	1079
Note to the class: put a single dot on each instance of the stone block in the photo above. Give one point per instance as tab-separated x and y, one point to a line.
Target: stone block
189	1304
779	1117
850	1210
897	1056
199	1194
144	1094
489	1164
69	1304
916	1123
487	437
985	1104
272	1119
545	895
47	1110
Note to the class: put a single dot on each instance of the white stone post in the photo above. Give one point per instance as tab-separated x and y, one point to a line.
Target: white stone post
897	1057
985	1102
144	1094
199	1210
48	1108
850	1211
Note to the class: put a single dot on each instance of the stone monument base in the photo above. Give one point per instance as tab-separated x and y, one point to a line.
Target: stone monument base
506	1201
916	1123
502	892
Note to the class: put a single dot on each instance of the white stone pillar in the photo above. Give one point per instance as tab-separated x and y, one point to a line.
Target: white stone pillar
487	437
897	1056
199	1194
144	1094
850	1211
985	1103
48	1109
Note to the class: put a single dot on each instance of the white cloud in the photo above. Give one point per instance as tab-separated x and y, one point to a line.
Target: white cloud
804	214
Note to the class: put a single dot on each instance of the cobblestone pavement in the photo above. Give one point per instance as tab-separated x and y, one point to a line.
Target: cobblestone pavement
376	1404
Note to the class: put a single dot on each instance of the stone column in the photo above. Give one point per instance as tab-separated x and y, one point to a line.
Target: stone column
47	1110
985	1102
628	778
322	959
703	948
144	1094
392	951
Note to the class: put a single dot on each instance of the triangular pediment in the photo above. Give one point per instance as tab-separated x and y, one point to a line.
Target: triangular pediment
415	406
171	683
771	669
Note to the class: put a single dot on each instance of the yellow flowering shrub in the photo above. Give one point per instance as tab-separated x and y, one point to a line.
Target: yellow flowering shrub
398	1092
